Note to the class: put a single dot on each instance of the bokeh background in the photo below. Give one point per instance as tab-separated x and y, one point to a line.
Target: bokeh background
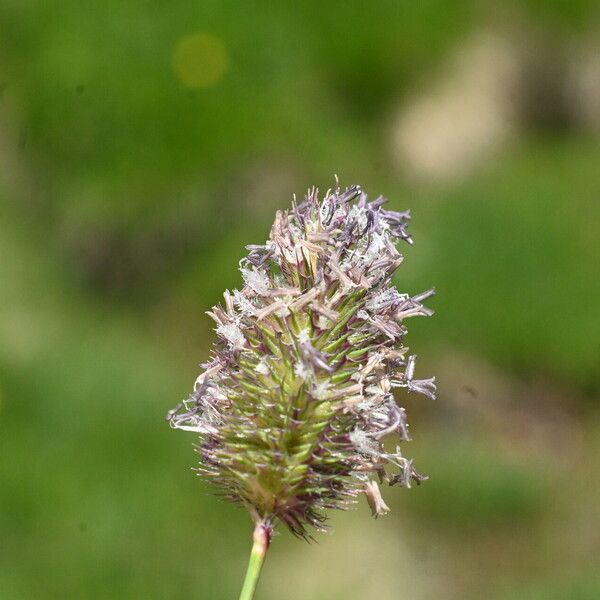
143	144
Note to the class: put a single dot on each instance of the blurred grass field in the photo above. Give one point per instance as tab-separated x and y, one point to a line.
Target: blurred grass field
126	199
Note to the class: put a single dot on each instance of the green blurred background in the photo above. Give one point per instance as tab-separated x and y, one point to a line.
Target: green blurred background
144	143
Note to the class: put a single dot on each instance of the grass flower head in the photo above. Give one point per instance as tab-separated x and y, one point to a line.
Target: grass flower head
298	396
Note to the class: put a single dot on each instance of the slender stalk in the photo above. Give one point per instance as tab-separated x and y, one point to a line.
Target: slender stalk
262	539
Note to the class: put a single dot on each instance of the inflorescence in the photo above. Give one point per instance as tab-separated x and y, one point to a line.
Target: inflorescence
294	405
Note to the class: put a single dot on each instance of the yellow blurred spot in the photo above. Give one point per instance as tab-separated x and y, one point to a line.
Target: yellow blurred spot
199	60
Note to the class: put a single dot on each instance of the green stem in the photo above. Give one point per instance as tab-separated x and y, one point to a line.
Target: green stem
262	538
